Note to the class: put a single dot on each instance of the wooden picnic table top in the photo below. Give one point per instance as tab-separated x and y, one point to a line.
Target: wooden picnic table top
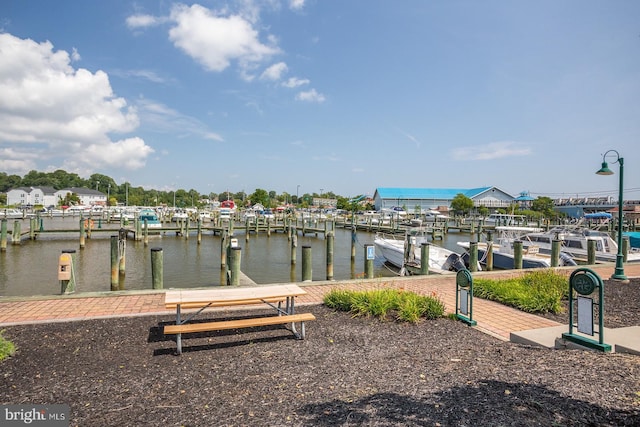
231	295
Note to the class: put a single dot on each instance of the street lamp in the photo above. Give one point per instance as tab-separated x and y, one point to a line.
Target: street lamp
604	170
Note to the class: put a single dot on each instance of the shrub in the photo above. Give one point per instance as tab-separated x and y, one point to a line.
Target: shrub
537	291
407	306
7	348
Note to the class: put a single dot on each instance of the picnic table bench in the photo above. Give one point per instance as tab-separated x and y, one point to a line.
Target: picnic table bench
201	299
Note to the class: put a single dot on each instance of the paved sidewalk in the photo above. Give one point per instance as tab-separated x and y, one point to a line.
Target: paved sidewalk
492	318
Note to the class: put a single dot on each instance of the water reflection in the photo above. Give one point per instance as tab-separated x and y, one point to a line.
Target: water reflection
31	267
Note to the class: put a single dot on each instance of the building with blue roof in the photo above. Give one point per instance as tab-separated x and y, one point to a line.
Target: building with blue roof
438	198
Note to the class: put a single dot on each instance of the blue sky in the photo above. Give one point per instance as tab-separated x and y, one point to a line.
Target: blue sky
324	95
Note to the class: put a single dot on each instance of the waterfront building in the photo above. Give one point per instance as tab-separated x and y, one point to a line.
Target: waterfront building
439	198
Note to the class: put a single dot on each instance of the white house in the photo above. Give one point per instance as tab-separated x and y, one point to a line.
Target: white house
49	196
31	196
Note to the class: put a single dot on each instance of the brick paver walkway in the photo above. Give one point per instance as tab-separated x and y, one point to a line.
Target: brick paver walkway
493	318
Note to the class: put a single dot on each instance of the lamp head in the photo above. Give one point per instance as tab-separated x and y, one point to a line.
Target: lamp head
604	170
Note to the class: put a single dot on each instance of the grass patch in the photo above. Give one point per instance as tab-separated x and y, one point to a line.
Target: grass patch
7	348
539	291
385	303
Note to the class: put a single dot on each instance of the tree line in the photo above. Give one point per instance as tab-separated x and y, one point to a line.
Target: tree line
128	194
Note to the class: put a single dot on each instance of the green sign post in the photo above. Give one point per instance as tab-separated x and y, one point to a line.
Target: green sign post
464	297
583	282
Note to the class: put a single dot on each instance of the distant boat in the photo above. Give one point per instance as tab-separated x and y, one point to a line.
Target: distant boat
150	218
10	214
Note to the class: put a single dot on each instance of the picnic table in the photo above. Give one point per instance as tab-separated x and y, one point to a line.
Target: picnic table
201	299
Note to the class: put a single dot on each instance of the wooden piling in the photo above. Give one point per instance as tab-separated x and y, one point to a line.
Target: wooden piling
368	263
489	258
3	235
424	258
235	259
473	257
329	238
294	246
307	264
517	255
157	273
82	232
555	252
591	252
69	286
114	263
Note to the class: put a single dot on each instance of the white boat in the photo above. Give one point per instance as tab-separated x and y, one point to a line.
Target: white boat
575	240
504	253
395	251
150	218
10	214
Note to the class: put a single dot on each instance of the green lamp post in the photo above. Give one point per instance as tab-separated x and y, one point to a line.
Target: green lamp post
604	170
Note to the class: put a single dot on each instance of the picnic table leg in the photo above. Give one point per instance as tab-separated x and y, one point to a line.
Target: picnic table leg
179	335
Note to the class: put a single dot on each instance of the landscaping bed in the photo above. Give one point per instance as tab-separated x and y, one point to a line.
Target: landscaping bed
348	372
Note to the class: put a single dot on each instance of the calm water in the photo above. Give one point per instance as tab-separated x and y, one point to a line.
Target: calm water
31	267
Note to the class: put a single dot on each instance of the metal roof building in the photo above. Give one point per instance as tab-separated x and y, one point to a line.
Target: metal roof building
433	198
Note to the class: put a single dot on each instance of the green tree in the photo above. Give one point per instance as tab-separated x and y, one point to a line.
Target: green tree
260	196
544	205
461	203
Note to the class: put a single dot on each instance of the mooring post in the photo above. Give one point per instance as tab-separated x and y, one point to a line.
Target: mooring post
66	271
3	235
591	252
489	258
199	234
353	243
146	232
122	246
81	232
223	249
294	246
157	274
114	263
246	229
307	262
330	242
517	255
424	258
235	254
473	256
15	236
369	256
555	252
32	228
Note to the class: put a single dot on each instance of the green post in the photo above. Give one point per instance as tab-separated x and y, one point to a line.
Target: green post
517	255
114	263
329	237
234	261
369	256
473	256
66	271
3	235
307	264
424	258
157	274
555	252
464	297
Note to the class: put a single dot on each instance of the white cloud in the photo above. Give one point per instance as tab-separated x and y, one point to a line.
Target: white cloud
296	4
46	101
310	96
274	72
491	151
295	82
215	40
143	21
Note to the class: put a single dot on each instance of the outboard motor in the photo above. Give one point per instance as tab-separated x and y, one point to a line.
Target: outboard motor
567	260
454	262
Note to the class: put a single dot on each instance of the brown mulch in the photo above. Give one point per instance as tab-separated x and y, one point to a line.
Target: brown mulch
348	372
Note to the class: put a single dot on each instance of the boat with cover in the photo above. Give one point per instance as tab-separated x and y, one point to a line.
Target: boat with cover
405	253
504	253
149	217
